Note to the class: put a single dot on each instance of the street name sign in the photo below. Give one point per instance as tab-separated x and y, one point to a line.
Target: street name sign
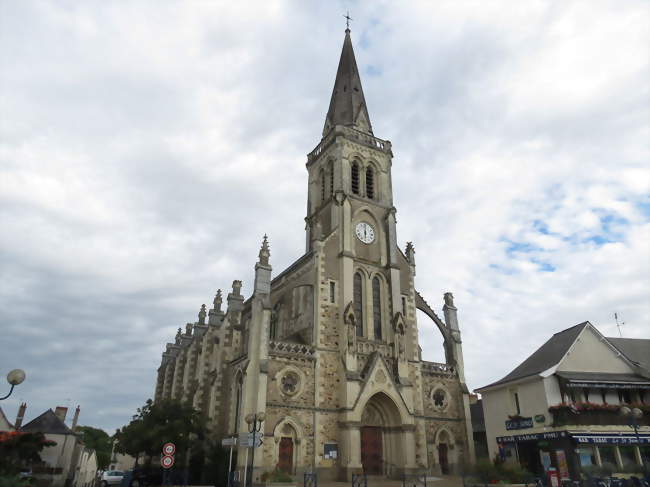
229	441
249	440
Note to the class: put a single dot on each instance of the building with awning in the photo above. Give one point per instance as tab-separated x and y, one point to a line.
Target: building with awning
561	407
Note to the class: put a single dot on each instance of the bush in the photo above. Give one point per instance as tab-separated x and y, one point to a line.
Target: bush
485	471
13	481
276	475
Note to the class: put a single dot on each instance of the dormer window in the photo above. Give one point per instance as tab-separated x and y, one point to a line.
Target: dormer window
370	183
355	178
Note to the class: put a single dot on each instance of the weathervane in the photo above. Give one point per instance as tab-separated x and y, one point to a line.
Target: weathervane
347	20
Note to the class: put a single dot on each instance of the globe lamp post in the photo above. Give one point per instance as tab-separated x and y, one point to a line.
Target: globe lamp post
254	426
633	415
14	378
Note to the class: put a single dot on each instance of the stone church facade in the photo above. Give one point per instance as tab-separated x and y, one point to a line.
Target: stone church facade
328	349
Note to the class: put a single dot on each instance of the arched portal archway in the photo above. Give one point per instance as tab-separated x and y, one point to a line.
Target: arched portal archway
381	436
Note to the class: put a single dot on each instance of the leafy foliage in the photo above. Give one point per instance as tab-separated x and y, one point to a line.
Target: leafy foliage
276	475
20	449
99	441
159	423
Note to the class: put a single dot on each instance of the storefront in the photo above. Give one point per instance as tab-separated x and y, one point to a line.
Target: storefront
572	452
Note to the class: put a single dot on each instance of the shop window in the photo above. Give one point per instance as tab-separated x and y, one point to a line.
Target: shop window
586	394
608	457
628	457
587	456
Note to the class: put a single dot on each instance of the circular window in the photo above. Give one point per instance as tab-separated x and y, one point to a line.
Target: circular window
290	382
440	398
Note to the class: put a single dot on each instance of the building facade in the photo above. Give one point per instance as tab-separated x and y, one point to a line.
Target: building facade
561	407
328	349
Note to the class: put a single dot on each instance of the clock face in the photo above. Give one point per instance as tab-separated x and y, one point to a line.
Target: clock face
365	232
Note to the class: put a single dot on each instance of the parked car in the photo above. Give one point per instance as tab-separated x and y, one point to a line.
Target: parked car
111	478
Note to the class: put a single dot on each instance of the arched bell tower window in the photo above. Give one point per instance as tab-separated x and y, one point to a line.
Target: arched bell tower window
357	296
370	183
355	177
376	307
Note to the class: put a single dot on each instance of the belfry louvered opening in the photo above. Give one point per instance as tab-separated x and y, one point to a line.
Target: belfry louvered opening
355	178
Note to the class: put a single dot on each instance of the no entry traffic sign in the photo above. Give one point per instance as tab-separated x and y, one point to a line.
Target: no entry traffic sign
167	461
169	449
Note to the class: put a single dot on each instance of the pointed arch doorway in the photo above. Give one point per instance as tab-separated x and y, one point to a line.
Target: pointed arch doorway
381	436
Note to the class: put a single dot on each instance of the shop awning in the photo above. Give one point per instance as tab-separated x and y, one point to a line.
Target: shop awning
599	380
597	438
611	438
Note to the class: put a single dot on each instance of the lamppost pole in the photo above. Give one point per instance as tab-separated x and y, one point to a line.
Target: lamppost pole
632	416
254	426
15	377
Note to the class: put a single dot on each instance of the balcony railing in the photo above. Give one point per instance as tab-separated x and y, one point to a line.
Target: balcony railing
607	414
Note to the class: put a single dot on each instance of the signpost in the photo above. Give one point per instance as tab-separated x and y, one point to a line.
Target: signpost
232	441
167	460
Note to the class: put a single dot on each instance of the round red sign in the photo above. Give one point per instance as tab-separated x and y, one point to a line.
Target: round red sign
169	449
167	461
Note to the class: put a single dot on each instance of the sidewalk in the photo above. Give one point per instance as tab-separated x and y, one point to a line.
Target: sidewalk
443	481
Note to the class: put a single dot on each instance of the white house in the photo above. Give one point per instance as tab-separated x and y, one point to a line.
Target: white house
561	406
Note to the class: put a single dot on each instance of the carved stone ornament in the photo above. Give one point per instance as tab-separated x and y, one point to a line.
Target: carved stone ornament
381	377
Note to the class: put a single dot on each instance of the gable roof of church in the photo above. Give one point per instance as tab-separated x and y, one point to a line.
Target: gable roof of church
347	105
47	422
545	356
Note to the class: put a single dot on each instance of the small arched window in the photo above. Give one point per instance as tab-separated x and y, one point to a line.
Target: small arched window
239	385
321	176
331	177
376	307
355	178
370	183
357	297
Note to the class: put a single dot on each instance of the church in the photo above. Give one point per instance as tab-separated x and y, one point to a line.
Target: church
328	349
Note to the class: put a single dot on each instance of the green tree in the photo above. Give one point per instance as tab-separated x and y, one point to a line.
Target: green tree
98	440
19	450
159	423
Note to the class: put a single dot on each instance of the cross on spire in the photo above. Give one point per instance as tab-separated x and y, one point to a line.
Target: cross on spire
347	20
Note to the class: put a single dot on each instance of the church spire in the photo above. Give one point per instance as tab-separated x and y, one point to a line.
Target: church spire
348	105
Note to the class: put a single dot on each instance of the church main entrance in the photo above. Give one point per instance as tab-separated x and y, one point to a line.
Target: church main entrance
371	450
382	439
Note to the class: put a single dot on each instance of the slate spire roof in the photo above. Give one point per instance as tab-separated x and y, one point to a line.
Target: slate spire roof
347	105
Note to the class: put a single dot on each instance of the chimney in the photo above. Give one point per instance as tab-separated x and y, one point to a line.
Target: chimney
21	415
60	413
76	418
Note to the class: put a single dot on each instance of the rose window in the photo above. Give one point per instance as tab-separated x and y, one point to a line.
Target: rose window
290	382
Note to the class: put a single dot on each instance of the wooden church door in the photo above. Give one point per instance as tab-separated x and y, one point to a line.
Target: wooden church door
443	459
285	460
371	450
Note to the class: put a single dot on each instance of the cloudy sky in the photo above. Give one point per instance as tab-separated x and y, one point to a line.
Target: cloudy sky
146	147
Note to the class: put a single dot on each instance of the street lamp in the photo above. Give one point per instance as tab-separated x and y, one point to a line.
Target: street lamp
254	426
633	415
14	378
